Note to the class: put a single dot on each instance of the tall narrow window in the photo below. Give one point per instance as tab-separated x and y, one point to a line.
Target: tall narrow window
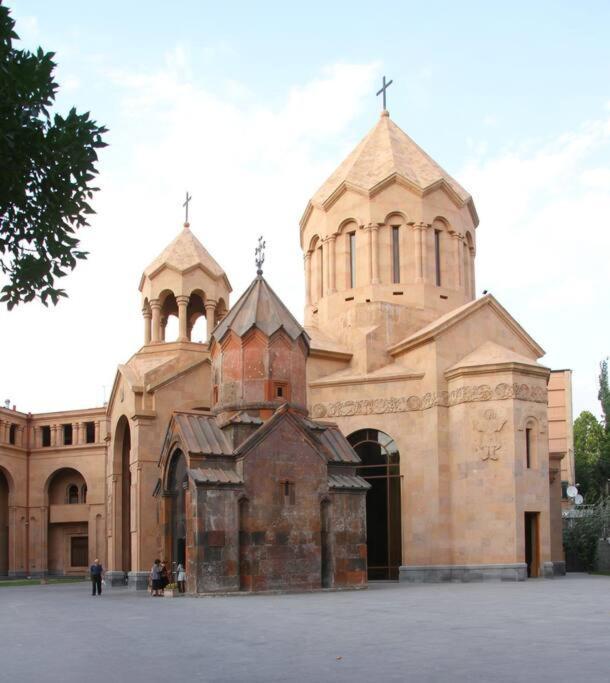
437	256
46	436
352	259
395	254
12	435
528	447
321	271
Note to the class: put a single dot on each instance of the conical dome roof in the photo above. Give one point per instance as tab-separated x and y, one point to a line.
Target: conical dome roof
183	253
259	306
386	151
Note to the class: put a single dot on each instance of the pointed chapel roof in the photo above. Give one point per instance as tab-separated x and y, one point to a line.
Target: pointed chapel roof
259	306
388	151
182	254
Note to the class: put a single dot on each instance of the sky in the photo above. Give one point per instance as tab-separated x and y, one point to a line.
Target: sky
250	106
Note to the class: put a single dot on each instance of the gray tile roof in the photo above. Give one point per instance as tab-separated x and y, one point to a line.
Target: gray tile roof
347	481
214	475
202	434
259	306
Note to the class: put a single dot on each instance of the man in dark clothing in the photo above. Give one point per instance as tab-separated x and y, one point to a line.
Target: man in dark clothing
97	572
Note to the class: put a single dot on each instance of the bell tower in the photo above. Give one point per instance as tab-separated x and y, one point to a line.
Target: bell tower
184	281
389	236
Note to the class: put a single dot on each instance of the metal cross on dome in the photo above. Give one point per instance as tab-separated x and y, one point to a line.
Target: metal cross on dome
186	207
384	87
259	255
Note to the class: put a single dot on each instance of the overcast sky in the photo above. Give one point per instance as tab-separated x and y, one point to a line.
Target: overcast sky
250	106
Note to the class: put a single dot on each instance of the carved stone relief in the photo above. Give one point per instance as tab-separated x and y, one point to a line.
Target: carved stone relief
404	404
489	425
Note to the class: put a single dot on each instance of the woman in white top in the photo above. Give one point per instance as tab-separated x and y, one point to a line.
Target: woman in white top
181	578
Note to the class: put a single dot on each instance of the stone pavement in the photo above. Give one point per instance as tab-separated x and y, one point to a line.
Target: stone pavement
540	630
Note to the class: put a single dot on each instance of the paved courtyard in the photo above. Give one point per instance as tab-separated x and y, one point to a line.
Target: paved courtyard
555	630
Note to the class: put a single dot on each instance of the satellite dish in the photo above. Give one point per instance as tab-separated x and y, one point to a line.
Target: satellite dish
578	499
572	491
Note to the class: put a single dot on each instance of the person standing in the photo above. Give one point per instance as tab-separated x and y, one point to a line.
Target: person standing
97	571
155	577
180	577
164	576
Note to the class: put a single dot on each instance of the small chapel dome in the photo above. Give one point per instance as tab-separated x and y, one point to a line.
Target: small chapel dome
259	354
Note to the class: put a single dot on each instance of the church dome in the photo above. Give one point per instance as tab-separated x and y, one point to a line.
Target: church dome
384	152
389	226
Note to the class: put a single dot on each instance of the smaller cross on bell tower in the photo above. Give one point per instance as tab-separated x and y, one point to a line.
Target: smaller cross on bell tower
259	255
186	209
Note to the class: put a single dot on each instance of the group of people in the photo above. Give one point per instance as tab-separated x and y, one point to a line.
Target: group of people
160	577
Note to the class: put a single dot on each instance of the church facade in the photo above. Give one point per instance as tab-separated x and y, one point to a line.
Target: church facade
400	434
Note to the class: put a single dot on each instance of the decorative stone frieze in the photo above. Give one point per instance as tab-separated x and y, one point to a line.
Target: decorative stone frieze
404	404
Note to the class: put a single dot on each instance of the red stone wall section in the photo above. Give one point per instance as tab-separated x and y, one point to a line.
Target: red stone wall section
348	529
286	480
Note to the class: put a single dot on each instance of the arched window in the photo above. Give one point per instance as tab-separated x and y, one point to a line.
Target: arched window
83	493
72	495
380	466
530	443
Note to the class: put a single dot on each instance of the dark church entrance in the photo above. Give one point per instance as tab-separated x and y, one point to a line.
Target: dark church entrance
381	468
177	484
531	544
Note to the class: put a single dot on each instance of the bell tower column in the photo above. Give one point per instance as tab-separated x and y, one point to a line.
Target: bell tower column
147	315
182	302
210	314
155	307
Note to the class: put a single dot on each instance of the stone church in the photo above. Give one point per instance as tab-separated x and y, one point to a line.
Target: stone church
401	433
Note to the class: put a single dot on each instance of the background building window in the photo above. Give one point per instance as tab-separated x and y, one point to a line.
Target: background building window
73	494
67	430
79	551
46	436
90	432
12	434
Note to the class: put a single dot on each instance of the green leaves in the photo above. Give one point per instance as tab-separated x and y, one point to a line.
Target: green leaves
592	444
47	164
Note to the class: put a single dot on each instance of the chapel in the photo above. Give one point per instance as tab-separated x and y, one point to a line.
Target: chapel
401	433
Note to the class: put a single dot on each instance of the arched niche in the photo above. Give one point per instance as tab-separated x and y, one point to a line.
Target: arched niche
6	490
68	531
176	486
122	503
347	243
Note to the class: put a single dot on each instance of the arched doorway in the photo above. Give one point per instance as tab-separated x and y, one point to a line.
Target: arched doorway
381	468
4	490
177	483
122	458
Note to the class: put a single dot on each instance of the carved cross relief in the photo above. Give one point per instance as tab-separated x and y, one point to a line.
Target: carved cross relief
489	426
